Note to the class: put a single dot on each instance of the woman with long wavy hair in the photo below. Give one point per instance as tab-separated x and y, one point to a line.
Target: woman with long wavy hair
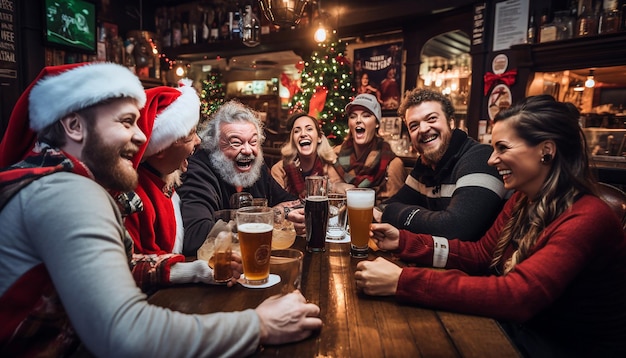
306	153
551	269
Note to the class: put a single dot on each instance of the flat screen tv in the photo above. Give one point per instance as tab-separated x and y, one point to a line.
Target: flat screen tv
71	25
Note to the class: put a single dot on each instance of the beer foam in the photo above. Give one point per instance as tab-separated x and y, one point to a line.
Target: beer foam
254	228
317	198
360	199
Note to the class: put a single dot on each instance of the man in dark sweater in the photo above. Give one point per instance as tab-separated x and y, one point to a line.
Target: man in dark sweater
229	160
451	192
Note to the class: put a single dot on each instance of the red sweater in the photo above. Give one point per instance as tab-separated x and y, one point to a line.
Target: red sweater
572	289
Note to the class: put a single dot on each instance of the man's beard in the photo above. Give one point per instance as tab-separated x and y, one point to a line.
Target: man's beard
107	166
433	157
228	171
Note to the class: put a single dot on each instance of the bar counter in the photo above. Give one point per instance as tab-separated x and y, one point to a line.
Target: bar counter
355	325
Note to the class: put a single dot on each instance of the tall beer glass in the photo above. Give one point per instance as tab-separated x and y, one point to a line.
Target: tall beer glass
316	212
360	205
254	226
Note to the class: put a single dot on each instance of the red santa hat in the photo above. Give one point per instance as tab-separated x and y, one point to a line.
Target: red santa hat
175	111
58	91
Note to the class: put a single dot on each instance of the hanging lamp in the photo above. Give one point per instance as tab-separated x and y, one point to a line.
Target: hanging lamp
283	13
590	83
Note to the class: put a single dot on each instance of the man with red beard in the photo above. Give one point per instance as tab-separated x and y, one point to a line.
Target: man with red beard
229	161
451	192
64	252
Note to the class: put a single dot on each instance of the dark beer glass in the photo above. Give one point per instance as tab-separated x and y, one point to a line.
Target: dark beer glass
316	218
316	212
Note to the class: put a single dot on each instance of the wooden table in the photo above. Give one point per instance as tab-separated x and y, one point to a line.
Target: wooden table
355	325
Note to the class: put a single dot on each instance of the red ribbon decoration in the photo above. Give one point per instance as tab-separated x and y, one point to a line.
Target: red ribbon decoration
508	78
317	101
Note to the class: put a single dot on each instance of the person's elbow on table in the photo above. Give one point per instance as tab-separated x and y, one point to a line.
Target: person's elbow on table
287	318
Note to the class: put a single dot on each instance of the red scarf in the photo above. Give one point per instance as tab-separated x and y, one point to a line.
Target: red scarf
367	171
154	229
295	176
38	163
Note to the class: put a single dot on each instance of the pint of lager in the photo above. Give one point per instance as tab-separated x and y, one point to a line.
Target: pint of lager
254	226
360	205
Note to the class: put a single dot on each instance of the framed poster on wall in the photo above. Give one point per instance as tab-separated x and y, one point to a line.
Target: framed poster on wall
378	71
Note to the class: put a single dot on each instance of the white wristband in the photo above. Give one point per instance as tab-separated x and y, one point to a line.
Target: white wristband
440	252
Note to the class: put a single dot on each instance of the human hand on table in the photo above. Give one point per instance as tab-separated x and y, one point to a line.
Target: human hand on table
295	214
287	318
385	236
377	278
199	271
297	217
237	267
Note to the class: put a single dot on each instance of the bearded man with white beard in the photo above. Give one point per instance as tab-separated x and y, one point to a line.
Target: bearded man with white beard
229	160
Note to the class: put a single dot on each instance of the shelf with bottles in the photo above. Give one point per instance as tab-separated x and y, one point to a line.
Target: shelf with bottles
198	29
583	18
579	52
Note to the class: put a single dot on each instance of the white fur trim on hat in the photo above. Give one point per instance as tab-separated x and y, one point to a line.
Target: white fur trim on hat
175	122
54	97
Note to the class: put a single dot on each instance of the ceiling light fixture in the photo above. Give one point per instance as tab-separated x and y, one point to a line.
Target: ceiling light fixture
321	33
590	83
283	13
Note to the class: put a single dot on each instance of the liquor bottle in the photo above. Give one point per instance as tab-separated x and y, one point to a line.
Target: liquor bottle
250	27
205	27
531	33
235	18
177	32
167	33
610	18
214	33
587	24
543	21
185	38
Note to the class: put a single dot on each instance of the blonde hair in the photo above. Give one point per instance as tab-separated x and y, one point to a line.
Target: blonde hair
289	151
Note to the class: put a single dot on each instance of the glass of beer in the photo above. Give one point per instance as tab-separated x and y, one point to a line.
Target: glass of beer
222	256
360	206
316	212
254	227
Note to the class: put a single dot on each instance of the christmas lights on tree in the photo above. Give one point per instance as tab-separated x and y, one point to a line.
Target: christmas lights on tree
326	83
213	94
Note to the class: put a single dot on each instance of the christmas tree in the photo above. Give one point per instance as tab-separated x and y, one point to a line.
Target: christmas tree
326	83
213	94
